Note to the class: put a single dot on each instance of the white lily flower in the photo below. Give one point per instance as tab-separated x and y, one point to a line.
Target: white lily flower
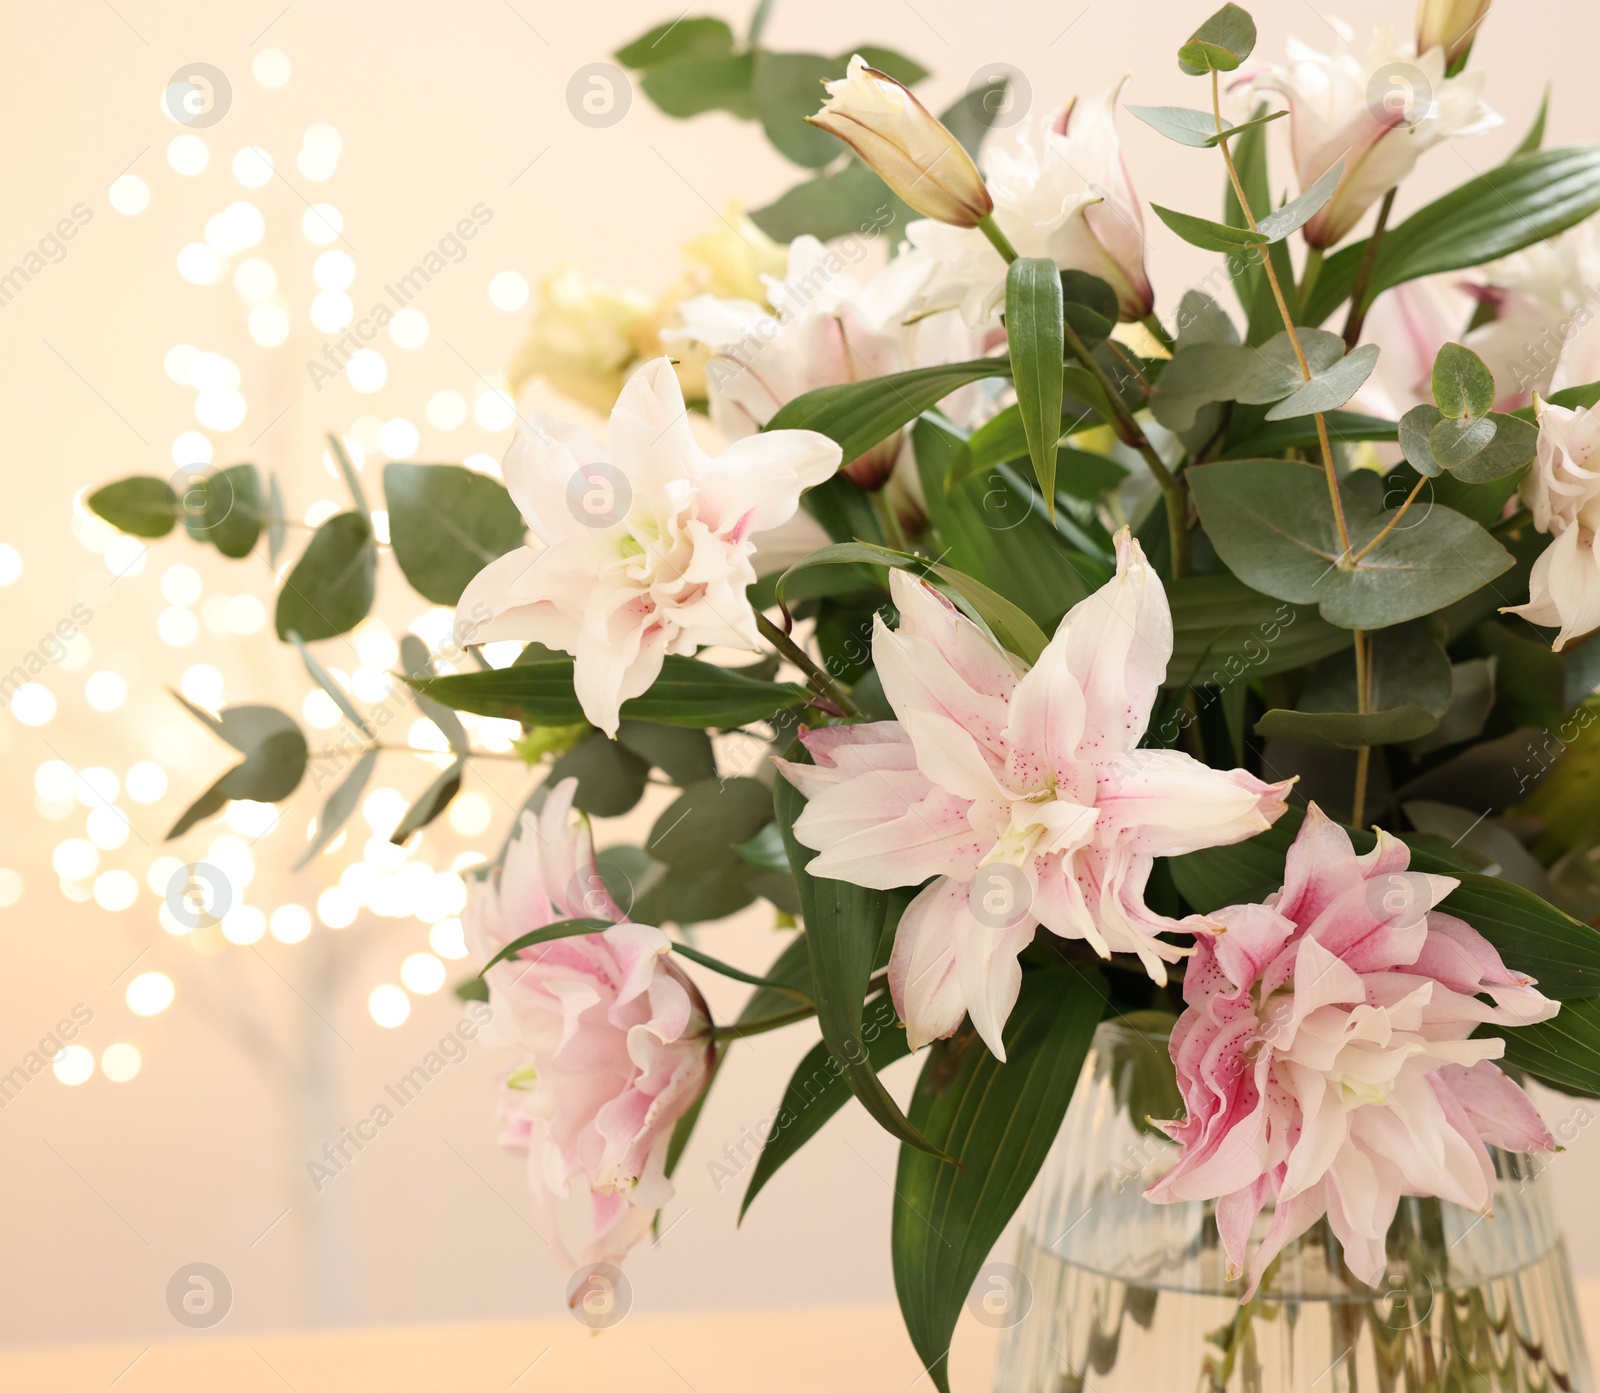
1021	793
1377	113
1563	492
644	544
1061	190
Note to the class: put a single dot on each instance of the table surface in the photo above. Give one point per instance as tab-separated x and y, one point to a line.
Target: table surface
843	1351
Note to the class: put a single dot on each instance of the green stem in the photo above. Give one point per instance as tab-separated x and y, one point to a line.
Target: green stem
1310	272
1129	432
694	955
738	1031
1001	243
1369	260
1158	331
758	24
825	685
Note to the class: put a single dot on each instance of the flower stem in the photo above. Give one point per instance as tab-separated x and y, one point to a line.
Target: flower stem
1399	513
1158	331
1363	702
825	685
694	955
1001	243
736	1031
1369	259
1309	273
1344	562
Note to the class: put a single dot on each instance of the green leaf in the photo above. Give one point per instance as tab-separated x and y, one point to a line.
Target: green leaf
788	88
1525	200
1183	124
230	518
1531	935
433	801
998	1121
1299	433
686	896
1208	235
1211	371
347	470
705	824
1564	1052
697	83
1453	443
277	525
844	923
688	693
271	770
331	588
859	414
1415	434
562	928
1409	694
1009	624
471	989
611	778
817	1091
1332	387
324	679
143	505
1535	136
1002	439
1273	526
1514	445
446	523
1462	383
1223	631
679	38
1299	211
1035	336
341	803
418	663
993	530
1220	44
683	755
852	200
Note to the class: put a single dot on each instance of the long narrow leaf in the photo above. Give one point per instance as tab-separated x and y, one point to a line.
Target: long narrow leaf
1035	333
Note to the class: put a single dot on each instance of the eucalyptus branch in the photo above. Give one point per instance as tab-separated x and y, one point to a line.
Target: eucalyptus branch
1369	259
824	685
1399	513
1344	562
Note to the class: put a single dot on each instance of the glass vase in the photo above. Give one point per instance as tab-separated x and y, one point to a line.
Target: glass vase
1115	1293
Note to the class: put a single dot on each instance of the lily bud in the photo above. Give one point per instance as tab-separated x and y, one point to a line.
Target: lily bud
905	145
1451	25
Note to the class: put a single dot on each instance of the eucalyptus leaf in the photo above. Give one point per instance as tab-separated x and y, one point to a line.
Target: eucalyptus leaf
1296	213
1272	524
1454	442
331	588
321	676
343	801
1207	235
1220	44
446	523
700	82
1462	383
683	755
142	506
706	823
1331	387
1416	433
1512	450
433	800
611	778
679	38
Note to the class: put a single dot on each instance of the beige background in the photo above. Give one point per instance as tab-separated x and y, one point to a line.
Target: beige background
268	1050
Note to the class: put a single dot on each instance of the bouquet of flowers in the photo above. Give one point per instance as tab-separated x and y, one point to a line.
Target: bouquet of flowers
1106	654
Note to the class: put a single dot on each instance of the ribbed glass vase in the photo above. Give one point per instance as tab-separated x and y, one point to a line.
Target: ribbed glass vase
1119	1295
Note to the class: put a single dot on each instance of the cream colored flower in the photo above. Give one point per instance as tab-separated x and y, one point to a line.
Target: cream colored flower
581	339
906	145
